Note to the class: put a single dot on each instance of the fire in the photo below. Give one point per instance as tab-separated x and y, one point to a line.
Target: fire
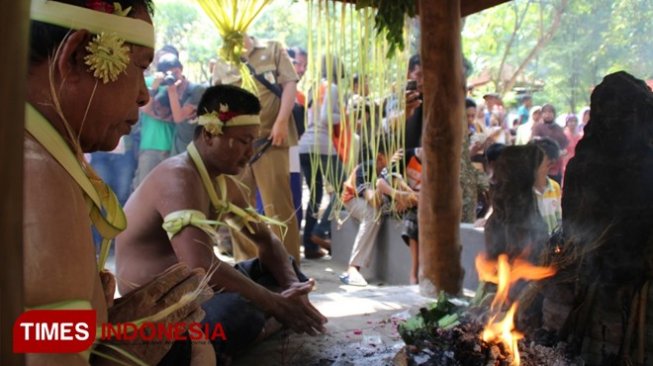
505	274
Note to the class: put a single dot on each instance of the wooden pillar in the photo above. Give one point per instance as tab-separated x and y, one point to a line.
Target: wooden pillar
14	26
440	200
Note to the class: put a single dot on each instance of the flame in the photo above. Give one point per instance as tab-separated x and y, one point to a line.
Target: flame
505	274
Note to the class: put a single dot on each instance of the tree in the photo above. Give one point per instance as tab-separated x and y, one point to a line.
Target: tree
503	41
179	23
592	39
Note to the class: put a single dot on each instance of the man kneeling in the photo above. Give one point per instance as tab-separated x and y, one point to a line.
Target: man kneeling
173	215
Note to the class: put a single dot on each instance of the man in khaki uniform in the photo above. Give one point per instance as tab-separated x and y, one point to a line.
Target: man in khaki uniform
271	172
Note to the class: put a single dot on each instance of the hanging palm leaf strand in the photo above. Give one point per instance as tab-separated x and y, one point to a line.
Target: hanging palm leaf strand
232	18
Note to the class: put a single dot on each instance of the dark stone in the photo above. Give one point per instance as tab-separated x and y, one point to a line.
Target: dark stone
607	200
607	206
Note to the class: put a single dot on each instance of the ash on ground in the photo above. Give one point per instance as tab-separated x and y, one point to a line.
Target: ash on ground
462	346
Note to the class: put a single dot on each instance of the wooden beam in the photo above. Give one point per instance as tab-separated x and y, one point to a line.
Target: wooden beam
440	205
14	27
468	7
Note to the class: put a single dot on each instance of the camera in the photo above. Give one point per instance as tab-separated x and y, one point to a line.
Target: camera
411	85
169	79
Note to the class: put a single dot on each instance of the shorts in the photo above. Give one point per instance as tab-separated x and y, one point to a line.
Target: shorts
179	354
410	229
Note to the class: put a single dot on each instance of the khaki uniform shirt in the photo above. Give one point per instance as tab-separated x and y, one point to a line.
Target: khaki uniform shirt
268	58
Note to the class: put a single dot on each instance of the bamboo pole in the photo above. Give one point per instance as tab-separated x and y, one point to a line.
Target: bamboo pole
14	22
440	199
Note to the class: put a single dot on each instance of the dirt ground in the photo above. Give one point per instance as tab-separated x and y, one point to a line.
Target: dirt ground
362	328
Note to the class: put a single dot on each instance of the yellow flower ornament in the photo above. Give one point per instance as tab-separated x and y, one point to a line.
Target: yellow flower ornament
108	56
215	121
211	122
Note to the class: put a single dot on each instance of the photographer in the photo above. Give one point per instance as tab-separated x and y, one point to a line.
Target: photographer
178	97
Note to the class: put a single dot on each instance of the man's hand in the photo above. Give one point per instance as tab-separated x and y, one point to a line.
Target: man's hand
158	78
293	309
412	102
476	148
165	290
397	156
279	133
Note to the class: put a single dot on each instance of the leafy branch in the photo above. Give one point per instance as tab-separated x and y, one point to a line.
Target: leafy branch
389	20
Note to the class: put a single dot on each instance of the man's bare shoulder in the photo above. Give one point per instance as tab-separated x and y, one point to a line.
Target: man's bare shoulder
172	174
173	185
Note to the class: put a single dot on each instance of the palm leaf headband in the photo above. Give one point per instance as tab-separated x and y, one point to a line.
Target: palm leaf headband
214	122
108	56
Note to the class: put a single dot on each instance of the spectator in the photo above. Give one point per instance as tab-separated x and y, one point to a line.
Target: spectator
493	106
524	108
574	135
157	128
319	160
584	118
117	167
414	113
299	58
548	128
488	160
547	190
516	224
269	61
364	194
413	173
473	127
182	96
525	131
299	61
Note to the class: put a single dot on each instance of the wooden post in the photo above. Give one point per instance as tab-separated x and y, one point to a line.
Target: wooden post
440	198
14	27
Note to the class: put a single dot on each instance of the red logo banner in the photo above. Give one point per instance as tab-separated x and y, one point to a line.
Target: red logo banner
54	331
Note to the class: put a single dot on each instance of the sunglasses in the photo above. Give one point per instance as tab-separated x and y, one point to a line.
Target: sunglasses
260	146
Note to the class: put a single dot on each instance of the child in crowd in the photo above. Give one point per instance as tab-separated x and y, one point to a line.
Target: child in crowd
516	226
547	190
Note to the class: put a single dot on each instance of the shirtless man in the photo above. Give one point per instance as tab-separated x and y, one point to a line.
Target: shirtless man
181	195
73	108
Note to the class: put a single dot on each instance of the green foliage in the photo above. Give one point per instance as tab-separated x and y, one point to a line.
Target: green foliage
389	20
444	314
595	37
178	23
284	21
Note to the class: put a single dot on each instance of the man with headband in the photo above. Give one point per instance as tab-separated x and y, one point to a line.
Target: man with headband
175	211
84	87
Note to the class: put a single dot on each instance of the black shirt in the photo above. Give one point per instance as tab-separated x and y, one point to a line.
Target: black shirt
414	129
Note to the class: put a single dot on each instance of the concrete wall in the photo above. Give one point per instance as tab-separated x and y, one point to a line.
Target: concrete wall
391	257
